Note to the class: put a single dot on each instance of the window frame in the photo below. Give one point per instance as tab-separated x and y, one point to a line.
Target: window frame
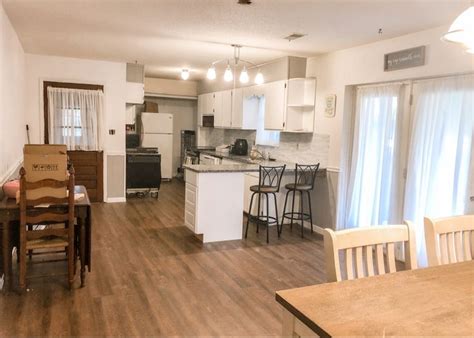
69	85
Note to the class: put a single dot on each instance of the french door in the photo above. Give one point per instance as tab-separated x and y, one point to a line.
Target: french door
415	161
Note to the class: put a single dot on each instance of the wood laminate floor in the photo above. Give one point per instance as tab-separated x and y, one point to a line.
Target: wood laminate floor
151	276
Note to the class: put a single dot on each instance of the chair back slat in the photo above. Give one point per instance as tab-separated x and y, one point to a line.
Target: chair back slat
47	217
359	262
349	264
369	259
306	174
380	259
391	257
46	183
448	239
362	242
466	245
46	200
270	176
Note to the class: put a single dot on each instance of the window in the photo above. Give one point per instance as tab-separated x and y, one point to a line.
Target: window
73	114
265	137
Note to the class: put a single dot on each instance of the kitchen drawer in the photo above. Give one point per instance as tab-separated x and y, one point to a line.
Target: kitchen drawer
190	195
191	177
89	184
189	219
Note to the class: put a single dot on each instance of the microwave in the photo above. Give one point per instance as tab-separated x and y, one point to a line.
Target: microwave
208	121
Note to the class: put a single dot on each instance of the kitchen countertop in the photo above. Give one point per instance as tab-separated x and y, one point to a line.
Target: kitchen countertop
247	165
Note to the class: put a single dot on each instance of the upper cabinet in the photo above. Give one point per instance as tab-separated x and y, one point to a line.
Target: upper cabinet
301	96
275	105
289	106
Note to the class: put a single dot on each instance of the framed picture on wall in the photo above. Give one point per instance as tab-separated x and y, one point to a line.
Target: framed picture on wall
330	108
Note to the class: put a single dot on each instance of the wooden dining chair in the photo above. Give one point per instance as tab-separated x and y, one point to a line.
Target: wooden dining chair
449	239
58	216
361	244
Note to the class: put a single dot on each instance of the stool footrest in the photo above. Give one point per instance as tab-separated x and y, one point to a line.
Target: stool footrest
263	219
297	216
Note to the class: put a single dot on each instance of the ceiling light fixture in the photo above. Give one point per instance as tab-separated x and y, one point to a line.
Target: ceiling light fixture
228	75
211	73
185	74
244	76
461	30
229	71
259	78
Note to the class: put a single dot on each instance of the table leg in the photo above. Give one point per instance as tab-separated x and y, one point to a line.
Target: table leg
7	259
288	324
82	247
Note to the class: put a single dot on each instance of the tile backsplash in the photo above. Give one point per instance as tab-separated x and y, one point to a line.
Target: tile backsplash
298	148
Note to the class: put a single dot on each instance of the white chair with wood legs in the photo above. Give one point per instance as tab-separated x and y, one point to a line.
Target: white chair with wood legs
361	244
449	239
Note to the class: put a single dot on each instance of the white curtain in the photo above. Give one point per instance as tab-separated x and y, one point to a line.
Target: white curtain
75	118
440	152
373	180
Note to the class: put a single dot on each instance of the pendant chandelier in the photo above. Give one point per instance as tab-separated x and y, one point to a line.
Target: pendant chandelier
461	30
232	64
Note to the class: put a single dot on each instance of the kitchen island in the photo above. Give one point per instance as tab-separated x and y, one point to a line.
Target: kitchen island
217	195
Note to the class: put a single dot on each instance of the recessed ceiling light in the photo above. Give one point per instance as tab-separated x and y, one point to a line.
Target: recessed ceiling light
185	74
294	36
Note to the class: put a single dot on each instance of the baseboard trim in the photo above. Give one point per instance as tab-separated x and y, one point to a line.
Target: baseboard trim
116	200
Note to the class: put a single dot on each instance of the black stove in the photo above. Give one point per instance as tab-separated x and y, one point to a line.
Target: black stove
143	171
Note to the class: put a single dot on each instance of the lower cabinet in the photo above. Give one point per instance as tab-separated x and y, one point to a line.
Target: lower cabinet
89	172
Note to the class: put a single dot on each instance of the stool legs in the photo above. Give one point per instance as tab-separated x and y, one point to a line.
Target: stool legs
268	217
249	215
310	211
301	211
276	215
292	208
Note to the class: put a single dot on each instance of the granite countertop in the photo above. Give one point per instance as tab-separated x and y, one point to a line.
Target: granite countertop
247	165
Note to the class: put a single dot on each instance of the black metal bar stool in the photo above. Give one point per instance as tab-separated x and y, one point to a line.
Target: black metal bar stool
268	184
304	182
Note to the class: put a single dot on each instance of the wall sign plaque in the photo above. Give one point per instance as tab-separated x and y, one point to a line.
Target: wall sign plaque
407	58
330	109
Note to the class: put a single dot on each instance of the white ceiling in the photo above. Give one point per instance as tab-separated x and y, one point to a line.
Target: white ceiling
167	35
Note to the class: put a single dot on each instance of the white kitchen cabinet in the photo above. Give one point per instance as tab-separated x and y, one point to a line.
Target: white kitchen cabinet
214	205
249	108
275	105
135	93
206	105
300	105
223	109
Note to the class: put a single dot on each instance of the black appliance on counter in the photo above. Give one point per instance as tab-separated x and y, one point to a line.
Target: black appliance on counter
143	168
240	147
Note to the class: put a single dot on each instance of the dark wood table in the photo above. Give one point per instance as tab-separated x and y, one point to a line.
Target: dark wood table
435	301
10	217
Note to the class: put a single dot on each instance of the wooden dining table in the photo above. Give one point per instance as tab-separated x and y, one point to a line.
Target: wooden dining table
434	301
9	222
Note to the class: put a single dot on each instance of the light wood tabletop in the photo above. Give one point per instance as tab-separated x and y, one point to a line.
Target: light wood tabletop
436	301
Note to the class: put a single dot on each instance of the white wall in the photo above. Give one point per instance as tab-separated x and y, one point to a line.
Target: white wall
364	64
112	75
12	98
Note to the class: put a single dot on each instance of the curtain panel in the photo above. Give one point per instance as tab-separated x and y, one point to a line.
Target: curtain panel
373	187
75	118
440	152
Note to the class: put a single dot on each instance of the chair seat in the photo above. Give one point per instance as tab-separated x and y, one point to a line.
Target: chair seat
292	186
263	188
47	242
